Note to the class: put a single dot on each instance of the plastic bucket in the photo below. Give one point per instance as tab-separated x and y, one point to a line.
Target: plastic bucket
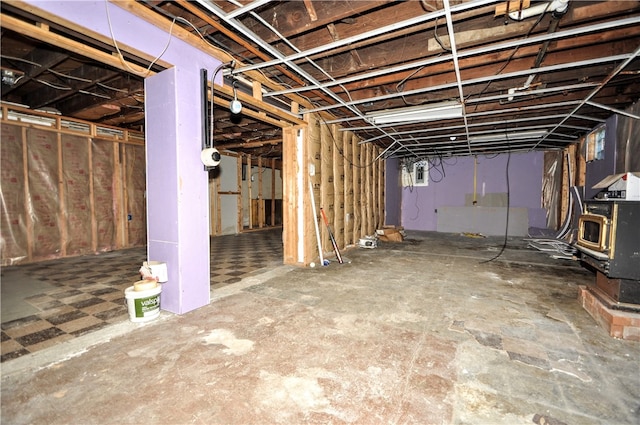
157	270
143	305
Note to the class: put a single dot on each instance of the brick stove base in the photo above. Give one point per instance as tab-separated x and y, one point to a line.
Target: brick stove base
619	324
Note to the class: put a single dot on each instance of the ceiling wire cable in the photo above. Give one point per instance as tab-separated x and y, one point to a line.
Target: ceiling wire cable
54	86
513	53
295	48
13	58
280	57
121	56
71	77
112	88
506	226
212	119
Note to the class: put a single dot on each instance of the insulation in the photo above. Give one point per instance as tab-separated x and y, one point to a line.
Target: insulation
44	193
135	178
77	194
62	194
551	184
104	196
13	246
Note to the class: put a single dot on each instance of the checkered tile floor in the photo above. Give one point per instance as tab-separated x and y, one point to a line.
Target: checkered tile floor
87	293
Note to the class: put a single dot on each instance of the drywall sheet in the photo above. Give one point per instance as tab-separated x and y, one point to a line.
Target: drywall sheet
135	172
487	200
44	194
104	204
13	246
229	216
490	221
77	193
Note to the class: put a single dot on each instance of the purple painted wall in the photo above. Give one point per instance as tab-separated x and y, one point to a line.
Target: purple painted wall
177	186
392	196
448	187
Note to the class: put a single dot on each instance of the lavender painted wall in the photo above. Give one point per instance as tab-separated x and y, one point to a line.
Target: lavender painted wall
177	190
419	204
392	194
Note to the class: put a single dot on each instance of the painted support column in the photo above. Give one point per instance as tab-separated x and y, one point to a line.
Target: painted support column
177	188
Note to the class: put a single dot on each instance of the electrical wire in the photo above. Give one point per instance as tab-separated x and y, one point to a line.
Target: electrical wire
121	56
71	77
212	117
54	86
506	227
535	24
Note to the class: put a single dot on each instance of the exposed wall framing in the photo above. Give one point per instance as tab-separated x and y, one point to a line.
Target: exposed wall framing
258	200
347	183
68	187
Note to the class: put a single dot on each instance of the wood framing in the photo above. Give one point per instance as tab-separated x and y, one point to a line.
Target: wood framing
59	185
345	182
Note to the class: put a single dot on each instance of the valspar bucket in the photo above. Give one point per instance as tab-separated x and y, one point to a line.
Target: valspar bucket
143	305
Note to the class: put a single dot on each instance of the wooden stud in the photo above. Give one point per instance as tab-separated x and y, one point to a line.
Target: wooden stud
260	197
92	201
290	194
240	217
250	190
62	220
338	185
257	90
273	192
27	192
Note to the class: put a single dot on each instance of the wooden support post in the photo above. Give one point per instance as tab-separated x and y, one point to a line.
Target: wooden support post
261	214
240	218
338	185
348	188
293	194
250	192
327	197
273	192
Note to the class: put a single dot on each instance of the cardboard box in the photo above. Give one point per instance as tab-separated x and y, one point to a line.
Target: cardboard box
390	234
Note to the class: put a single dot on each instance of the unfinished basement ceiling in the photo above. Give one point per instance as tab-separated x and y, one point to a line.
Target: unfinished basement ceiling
538	78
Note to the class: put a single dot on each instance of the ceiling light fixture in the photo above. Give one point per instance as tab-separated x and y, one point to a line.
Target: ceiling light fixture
536	134
435	111
235	106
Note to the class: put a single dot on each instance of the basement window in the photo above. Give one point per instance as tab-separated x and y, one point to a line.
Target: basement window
595	144
415	174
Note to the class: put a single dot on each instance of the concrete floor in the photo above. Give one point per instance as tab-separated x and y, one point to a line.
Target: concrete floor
420	332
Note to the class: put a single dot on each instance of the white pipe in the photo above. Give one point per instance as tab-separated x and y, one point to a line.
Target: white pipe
559	6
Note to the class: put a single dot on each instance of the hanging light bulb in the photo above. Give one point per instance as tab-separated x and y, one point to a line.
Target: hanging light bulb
235	106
